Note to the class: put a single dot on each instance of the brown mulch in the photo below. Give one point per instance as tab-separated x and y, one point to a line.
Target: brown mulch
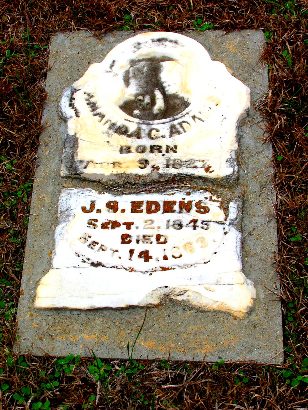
43	383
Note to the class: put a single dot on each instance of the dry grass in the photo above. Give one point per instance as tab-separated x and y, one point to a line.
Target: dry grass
26	27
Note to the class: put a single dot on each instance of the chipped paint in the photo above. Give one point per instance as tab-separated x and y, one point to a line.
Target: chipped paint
120	251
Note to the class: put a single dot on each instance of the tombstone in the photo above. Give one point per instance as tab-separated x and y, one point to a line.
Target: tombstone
151	206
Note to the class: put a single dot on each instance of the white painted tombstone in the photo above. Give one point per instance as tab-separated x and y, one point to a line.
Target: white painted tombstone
157	104
137	249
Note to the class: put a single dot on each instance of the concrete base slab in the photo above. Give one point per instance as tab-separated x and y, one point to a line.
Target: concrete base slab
170	330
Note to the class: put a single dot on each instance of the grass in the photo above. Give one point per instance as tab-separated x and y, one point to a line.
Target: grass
200	25
29	382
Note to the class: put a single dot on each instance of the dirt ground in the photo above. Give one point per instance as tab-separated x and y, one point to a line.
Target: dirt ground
29	382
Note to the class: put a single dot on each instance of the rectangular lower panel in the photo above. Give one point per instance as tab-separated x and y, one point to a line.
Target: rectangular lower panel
137	250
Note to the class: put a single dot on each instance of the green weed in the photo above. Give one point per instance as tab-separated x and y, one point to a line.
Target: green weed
285	8
268	35
5	58
291	311
241	378
23	395
294	377
130	369
66	364
21	193
63	366
22	363
14	236
7	305
32	49
39	405
128	22
169	405
217	365
8	163
100	371
90	402
200	26
294	236
52	385
140	398
164	364
287	56
7	310
4	387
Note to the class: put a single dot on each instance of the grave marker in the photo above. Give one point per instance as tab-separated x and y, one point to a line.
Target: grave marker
166	214
153	95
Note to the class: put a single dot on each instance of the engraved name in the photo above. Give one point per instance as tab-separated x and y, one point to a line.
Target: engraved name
144	130
152	207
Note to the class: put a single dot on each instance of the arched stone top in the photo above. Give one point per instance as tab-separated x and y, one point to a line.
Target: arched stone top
155	98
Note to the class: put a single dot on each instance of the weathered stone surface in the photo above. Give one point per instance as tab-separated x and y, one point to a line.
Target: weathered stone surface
157	104
171	329
119	251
